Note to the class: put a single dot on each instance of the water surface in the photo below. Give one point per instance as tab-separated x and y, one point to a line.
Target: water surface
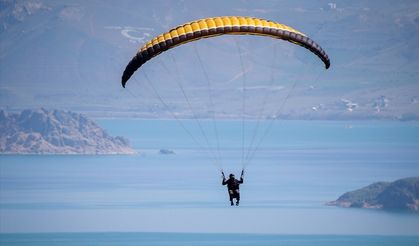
299	166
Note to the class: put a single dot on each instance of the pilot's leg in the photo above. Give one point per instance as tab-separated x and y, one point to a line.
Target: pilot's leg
237	197
231	194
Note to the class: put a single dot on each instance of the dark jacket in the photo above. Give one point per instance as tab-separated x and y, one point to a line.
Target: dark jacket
233	184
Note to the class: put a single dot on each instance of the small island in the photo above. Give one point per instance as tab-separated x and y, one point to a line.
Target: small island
166	152
56	132
402	194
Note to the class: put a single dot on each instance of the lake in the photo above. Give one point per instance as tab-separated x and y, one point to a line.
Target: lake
150	197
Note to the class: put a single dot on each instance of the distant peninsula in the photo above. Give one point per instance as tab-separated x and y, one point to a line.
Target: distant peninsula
56	132
402	194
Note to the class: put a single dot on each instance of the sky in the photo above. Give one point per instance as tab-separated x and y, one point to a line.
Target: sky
71	55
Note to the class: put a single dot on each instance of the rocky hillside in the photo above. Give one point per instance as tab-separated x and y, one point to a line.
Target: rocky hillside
56	132
401	194
71	54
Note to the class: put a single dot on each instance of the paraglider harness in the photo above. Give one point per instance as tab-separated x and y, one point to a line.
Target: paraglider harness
233	186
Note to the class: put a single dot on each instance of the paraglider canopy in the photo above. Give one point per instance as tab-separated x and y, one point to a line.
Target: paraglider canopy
210	27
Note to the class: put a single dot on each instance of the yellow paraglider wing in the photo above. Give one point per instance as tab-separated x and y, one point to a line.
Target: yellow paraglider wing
210	27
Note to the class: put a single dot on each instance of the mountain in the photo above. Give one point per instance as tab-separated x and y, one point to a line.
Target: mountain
401	194
56	132
72	54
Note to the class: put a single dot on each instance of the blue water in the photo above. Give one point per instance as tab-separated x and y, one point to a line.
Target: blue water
298	167
163	239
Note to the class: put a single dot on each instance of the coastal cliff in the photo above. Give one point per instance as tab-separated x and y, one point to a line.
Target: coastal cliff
56	132
402	194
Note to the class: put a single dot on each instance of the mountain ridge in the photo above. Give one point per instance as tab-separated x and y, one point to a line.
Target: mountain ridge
73	53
